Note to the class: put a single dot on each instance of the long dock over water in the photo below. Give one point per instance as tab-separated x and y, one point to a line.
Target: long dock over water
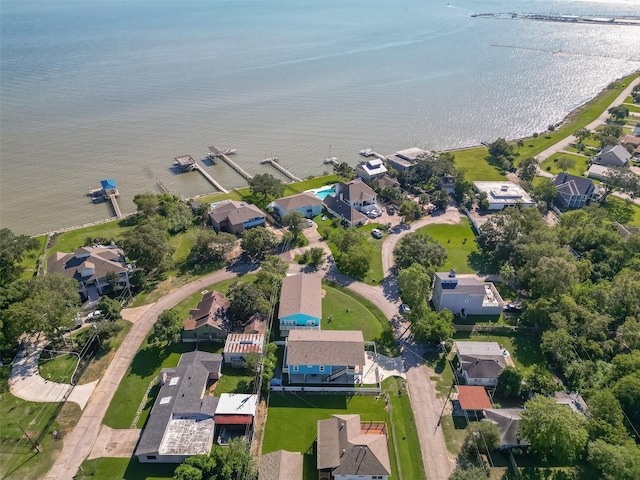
114	204
274	163
187	163
209	178
220	154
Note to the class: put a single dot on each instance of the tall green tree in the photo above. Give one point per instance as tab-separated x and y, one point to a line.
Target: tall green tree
414	284
419	248
565	163
266	186
295	222
148	245
430	326
553	430
510	382
528	169
168	327
619	112
615	462
344	170
12	250
256	242
246	299
481	437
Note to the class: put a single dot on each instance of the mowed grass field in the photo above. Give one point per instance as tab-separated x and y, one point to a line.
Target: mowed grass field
477	168
581	164
459	242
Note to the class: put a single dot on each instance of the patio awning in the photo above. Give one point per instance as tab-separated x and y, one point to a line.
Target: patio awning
233	419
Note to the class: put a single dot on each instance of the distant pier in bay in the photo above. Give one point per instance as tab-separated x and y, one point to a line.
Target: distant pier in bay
565	18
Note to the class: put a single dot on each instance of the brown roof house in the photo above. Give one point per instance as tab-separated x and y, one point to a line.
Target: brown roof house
209	320
480	363
89	266
471	401
235	217
300	303
324	357
350	200
181	422
280	465
350	449
306	203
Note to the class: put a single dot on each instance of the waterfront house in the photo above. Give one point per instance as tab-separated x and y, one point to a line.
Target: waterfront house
92	268
300	303
280	465
613	156
503	194
350	200
209	320
371	169
405	159
349	449
239	345
465	295
387	182
306	203
480	363
324	357
574	192
235	217
181	422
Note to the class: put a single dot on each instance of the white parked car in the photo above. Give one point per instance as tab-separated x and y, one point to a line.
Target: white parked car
309	222
376	233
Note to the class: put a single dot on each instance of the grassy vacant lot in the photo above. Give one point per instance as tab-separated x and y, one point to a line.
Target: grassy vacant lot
58	369
29	263
341	317
581	164
124	469
622	211
18	459
474	161
292	425
337	302
459	241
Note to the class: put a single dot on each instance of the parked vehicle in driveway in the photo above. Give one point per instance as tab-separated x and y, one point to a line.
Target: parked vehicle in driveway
404	308
376	233
391	210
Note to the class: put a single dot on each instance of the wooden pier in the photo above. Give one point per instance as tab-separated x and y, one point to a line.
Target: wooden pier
274	162
108	192
220	154
187	163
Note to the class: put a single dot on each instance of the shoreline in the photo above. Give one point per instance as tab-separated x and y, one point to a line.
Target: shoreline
561	124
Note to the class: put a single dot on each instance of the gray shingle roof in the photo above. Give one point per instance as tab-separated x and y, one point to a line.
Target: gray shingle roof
613	155
301	200
508	422
356	191
470	286
301	294
573	185
281	465
479	367
181	393
343	448
344	210
325	347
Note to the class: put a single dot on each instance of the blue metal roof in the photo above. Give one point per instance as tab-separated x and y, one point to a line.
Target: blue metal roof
108	184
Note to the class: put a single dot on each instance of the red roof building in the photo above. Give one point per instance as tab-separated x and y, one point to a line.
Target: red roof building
473	399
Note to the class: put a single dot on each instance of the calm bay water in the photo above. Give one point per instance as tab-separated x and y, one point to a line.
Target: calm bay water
94	90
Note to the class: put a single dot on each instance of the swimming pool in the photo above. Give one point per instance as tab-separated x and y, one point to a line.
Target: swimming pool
321	193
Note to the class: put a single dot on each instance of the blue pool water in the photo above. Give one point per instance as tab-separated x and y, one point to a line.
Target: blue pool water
321	193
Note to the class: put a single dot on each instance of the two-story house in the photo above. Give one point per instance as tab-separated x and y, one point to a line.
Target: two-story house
300	303
574	192
94	268
209	320
324	356
235	217
306	203
465	295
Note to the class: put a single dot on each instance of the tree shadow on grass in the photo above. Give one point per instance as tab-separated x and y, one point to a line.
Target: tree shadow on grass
480	263
527	350
288	400
150	358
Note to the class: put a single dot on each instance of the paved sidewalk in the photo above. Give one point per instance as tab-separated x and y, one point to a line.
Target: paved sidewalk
26	383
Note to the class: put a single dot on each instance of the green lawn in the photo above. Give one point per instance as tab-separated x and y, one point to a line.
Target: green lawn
580	167
292	425
391	350
633	108
454	431
474	161
124	469
459	242
29	262
524	349
58	369
404	429
623	211
74	239
337	302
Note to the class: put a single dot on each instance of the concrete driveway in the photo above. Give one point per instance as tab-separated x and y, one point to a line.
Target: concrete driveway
378	367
